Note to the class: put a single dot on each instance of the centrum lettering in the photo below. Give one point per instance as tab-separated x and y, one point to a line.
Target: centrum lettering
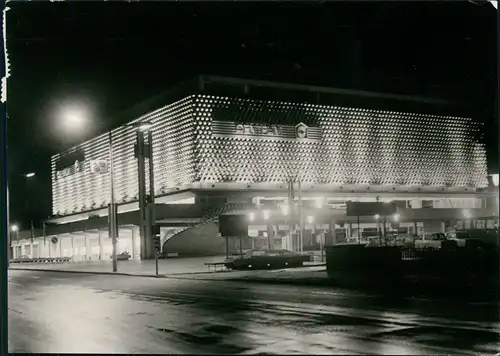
259	130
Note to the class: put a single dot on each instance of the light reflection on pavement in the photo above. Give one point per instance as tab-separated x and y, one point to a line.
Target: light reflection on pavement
74	313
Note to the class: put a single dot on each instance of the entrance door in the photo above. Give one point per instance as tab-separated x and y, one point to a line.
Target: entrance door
36	252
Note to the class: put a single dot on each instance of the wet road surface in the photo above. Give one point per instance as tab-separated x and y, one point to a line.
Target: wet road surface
55	312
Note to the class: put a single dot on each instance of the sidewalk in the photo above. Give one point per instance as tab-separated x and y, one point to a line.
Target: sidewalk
311	275
193	268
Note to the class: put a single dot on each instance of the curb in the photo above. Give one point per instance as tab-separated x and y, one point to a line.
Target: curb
88	272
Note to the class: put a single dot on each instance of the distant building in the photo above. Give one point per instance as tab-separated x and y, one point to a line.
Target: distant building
228	145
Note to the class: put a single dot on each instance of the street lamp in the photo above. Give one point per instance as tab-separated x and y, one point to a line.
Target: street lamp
310	219
265	214
29	175
396	217
377	216
14	228
251	216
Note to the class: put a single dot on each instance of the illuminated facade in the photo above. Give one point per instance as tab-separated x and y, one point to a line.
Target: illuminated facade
215	139
234	150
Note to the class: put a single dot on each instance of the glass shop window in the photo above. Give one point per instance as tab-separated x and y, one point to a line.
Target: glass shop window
427	204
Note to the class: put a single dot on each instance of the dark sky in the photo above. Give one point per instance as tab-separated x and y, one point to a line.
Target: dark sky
108	56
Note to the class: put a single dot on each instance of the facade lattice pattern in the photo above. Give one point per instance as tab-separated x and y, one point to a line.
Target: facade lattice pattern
356	146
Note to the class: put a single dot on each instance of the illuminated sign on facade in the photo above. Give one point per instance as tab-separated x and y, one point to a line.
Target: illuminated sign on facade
68	171
99	166
299	131
70	164
259	130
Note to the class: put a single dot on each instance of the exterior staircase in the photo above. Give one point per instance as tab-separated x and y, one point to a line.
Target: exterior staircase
200	239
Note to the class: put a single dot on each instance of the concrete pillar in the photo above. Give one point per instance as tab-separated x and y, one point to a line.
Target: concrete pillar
349	234
101	247
270	236
334	233
86	247
415	229
60	248
72	247
133	242
443	227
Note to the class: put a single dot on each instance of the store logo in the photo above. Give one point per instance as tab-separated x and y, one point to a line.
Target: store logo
301	130
69	171
99	166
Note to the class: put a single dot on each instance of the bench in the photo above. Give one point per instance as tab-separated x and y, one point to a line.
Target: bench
215	265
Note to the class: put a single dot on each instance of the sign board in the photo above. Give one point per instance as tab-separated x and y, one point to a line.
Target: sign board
265	131
99	166
370	209
233	225
70	164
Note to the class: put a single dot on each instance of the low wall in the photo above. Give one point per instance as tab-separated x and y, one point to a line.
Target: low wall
471	268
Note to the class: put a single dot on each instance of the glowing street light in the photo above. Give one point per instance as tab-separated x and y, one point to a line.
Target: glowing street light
30	175
14	228
74	119
396	217
251	216
266	214
494	179
310	219
377	216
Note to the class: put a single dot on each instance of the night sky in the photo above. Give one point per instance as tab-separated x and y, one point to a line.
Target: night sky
108	56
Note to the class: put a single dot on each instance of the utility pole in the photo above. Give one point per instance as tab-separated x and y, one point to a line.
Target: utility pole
32	237
141	166
113	209
151	218
9	232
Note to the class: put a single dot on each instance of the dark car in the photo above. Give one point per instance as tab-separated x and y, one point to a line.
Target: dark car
124	256
266	259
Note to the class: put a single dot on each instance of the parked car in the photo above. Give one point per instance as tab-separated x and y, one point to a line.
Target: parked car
266	259
434	241
124	256
474	238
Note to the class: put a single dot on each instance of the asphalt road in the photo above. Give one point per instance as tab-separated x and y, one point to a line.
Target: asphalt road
55	312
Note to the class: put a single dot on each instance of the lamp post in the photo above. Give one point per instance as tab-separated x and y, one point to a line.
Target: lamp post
28	177
14	230
113	208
